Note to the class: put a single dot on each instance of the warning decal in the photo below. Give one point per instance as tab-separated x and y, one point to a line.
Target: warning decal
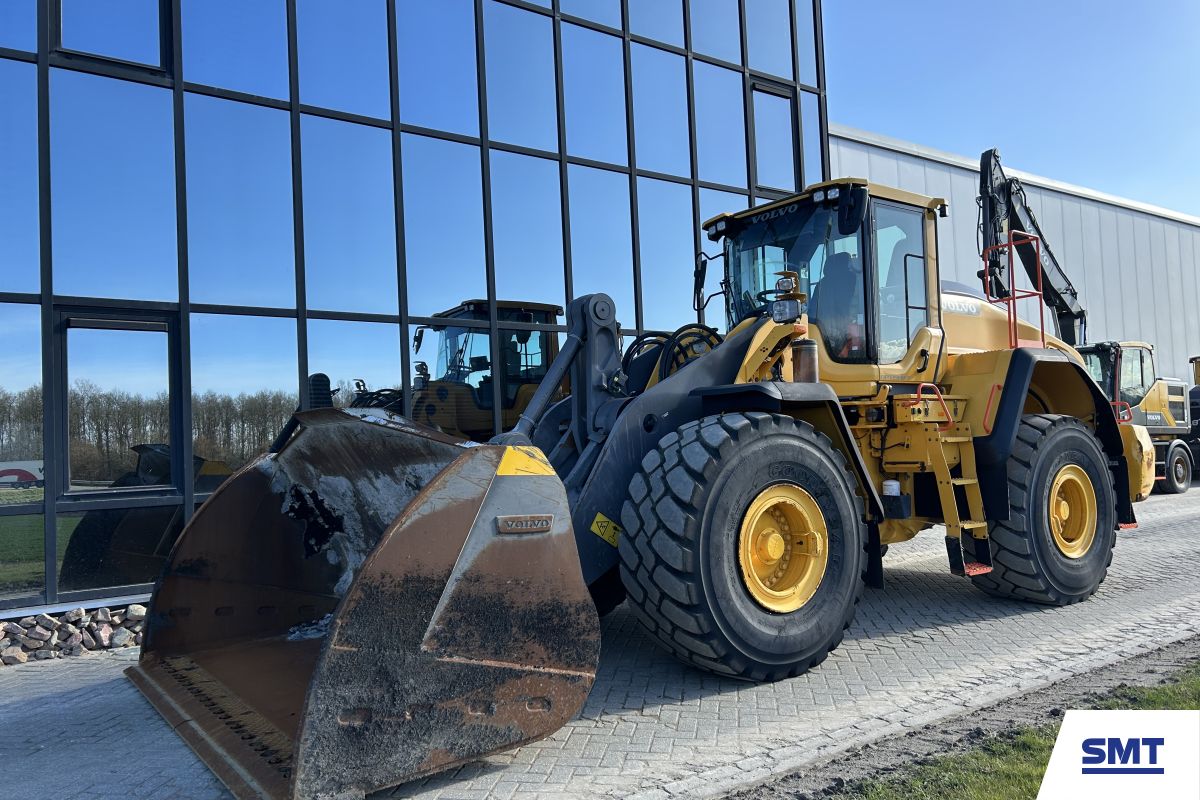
606	529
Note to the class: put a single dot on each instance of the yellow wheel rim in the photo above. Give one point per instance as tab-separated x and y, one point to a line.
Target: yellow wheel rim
783	548
1072	511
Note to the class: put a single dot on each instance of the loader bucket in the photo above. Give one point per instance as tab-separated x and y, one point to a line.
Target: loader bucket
373	603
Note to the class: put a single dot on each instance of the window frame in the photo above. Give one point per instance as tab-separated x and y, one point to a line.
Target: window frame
875	324
160	74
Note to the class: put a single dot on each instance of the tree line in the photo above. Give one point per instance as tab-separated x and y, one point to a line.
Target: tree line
104	424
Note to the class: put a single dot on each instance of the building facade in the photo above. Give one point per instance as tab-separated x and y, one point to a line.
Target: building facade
204	201
1134	264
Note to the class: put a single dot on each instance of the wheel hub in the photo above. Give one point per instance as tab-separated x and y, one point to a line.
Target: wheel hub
783	548
1072	511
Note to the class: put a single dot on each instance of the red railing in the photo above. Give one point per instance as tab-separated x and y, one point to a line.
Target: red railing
1123	410
937	393
1015	239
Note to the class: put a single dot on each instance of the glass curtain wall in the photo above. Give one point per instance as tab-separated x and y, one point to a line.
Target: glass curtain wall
205	201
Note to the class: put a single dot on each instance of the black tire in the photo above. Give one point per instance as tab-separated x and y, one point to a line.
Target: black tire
679	549
1177	472
1026	562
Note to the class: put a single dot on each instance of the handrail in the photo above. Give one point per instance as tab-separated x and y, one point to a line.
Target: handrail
1016	239
941	400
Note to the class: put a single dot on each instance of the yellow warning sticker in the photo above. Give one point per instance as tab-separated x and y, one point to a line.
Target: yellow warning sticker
606	529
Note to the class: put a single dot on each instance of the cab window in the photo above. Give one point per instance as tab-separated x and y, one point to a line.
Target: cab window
837	299
900	276
1137	375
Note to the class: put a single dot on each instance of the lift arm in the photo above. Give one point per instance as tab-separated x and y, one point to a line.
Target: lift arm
1003	210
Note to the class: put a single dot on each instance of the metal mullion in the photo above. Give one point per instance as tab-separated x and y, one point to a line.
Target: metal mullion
823	110
591	24
636	38
344	116
129	590
663	176
297	208
433	133
721	187
489	254
353	316
233	94
545	12
720	62
108	499
52	403
182	465
20	297
748	105
604	165
116	303
635	239
244	311
21	509
524	151
697	243
18	55
398	208
110	68
564	195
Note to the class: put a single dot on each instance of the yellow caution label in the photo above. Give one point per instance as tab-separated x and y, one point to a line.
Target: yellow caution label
524	461
606	529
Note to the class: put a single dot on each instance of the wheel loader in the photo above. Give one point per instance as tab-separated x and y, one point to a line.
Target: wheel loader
375	601
1125	371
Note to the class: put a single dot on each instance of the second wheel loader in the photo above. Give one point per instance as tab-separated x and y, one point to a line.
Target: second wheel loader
376	601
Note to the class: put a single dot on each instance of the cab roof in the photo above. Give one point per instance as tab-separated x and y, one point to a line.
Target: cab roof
874	189
477	309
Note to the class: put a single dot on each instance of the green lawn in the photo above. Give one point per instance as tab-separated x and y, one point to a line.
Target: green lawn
22	551
1011	766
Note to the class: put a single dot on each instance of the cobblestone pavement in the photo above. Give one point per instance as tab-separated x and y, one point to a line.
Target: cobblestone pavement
926	647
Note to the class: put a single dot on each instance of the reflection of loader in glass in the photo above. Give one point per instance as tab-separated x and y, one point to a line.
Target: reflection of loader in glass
375	601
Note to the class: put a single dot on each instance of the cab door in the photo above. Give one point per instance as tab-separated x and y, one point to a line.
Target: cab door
906	340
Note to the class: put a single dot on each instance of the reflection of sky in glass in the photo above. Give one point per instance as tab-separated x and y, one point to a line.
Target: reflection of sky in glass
668	249
118	361
527	228
520	82
807	42
236	45
601	239
18	24
769	36
721	139
810	127
233	354
346	351
443	224
20	346
113	188
773	141
239	185
438	39
343	55
19	249
656	19
127	30
594	95
606	12
349	216
715	29
660	110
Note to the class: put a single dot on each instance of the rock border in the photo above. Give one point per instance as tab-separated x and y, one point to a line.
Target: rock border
73	633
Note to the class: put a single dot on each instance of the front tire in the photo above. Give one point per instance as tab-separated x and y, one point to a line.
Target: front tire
742	549
1057	543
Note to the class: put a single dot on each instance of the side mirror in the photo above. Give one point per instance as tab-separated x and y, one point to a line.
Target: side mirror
698	276
852	209
417	338
522	336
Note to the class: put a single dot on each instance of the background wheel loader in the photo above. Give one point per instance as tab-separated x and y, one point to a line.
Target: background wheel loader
375	601
1125	371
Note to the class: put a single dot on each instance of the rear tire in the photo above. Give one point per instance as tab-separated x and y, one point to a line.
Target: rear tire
1029	561
680	558
1177	473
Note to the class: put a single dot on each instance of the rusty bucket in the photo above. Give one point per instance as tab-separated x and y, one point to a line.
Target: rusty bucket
372	603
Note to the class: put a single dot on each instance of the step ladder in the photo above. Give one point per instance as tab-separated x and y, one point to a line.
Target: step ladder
967	544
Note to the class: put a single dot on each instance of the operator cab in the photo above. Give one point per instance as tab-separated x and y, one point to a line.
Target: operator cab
861	257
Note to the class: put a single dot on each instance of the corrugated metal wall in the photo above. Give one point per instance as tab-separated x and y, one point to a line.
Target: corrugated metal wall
1134	265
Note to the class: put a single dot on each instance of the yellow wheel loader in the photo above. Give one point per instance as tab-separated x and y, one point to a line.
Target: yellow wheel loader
1125	371
375	601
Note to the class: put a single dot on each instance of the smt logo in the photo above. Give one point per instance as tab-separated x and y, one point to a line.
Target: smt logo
1122	756
1141	753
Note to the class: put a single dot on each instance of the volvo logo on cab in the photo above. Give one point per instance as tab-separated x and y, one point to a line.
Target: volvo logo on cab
1138	756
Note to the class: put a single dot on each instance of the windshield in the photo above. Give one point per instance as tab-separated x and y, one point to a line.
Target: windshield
802	237
463	356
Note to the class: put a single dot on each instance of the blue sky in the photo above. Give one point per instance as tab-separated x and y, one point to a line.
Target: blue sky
1100	93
